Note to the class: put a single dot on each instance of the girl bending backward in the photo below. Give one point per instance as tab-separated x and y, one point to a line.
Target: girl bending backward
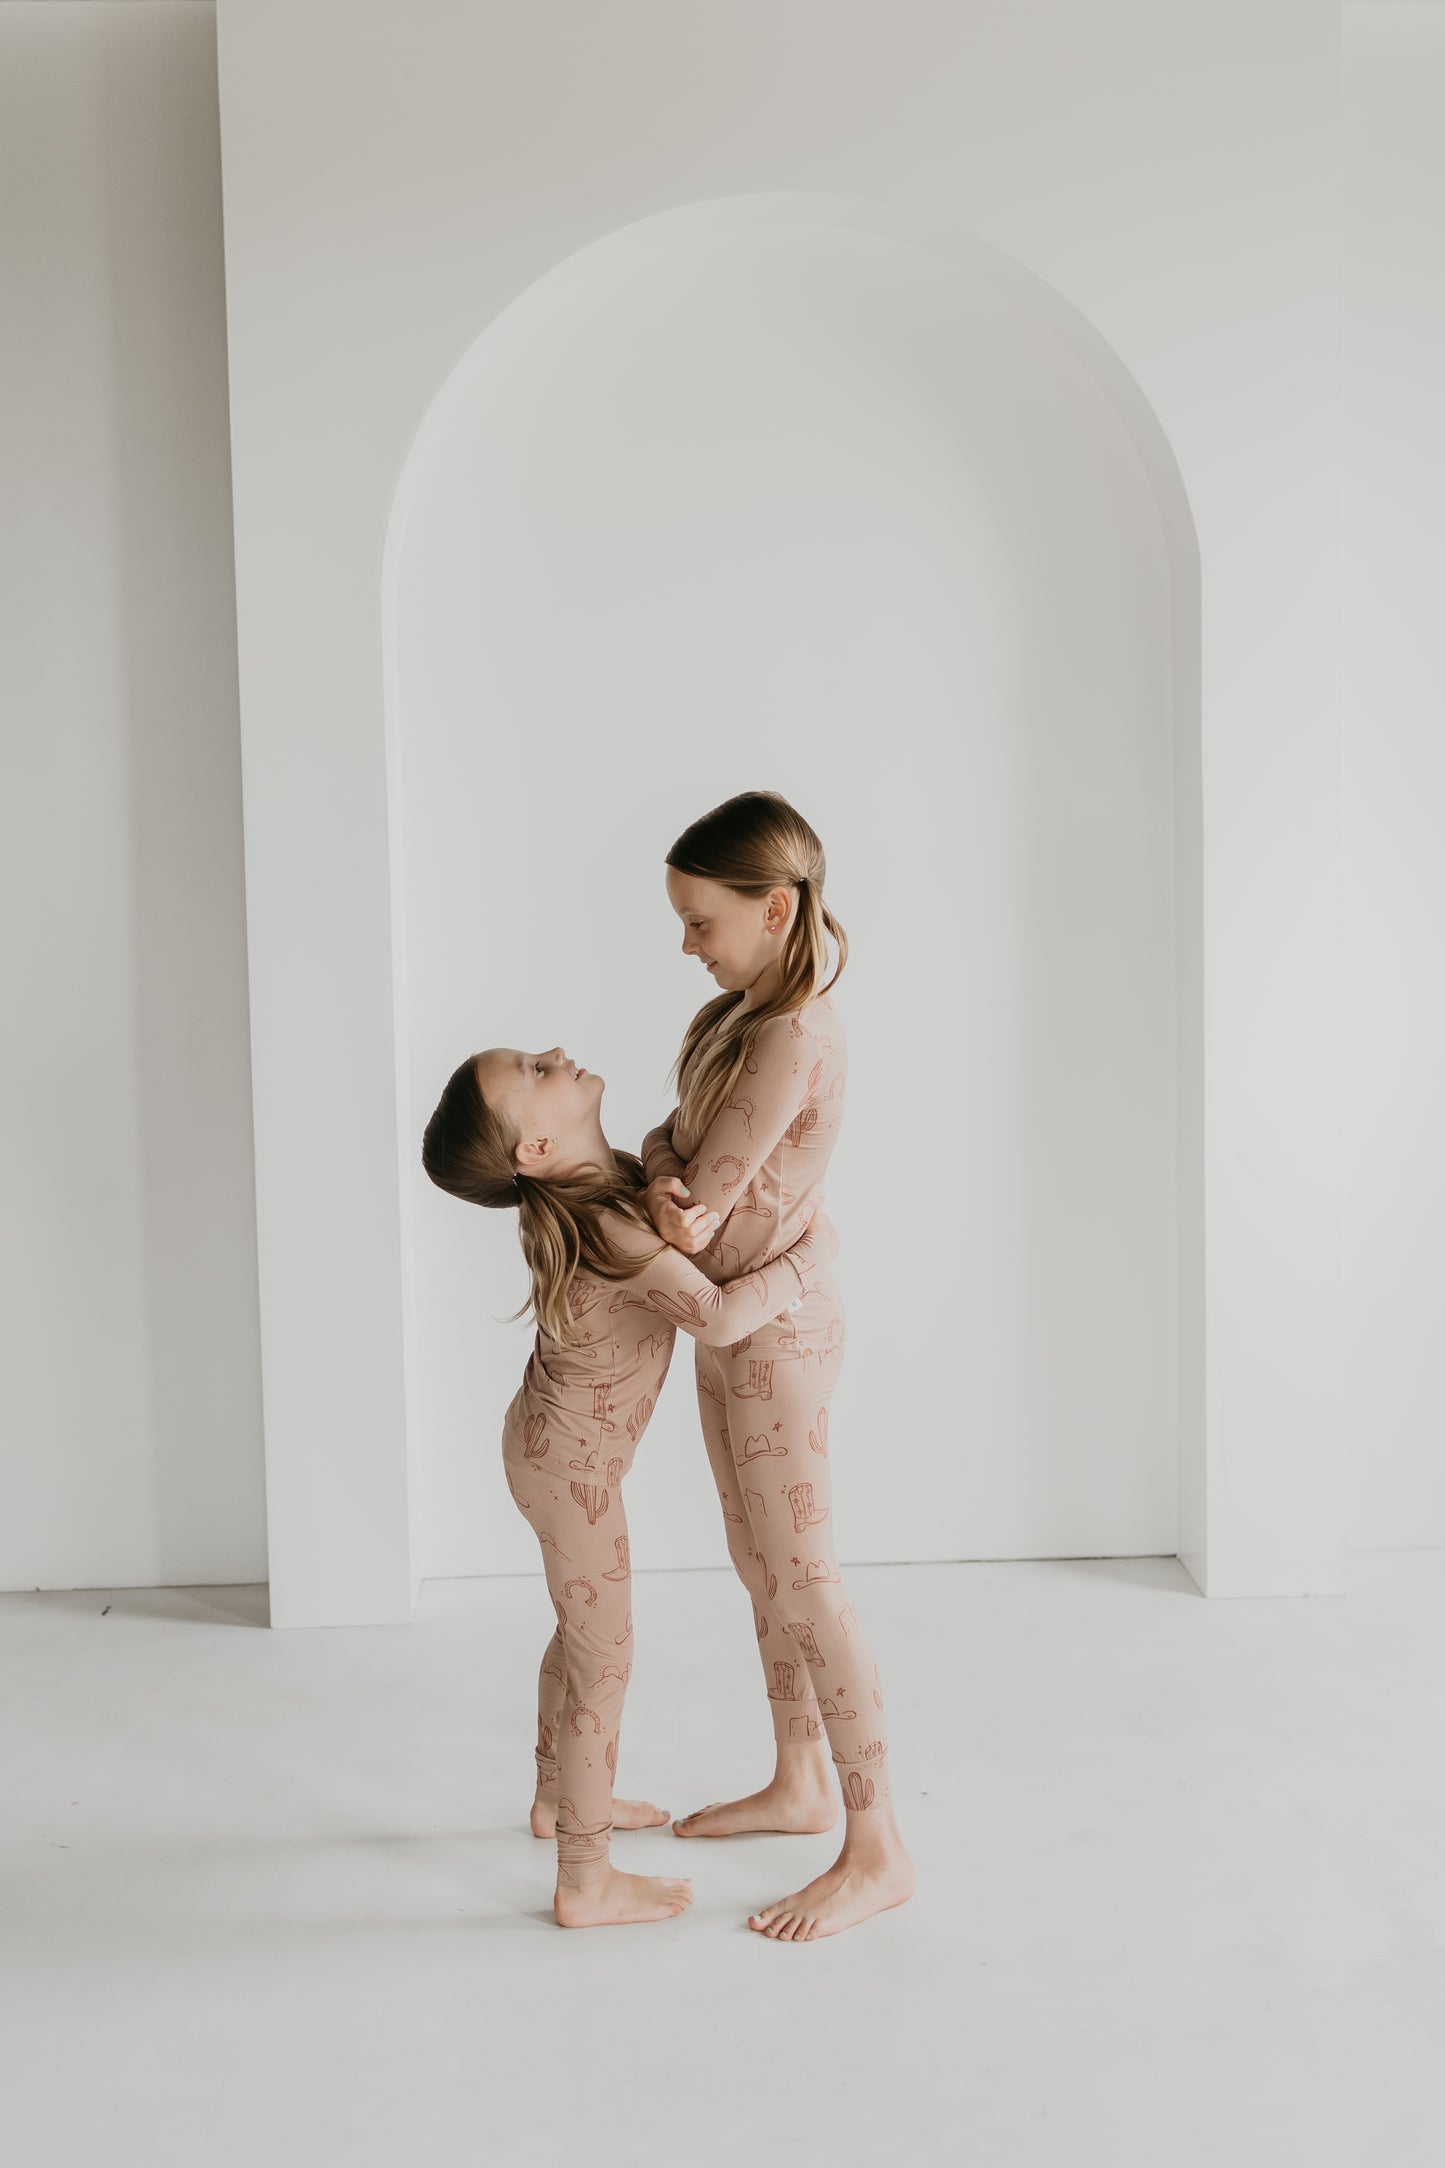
523	1131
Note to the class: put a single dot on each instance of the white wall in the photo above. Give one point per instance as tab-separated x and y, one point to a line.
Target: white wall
793	505
1394	671
131	1432
389	191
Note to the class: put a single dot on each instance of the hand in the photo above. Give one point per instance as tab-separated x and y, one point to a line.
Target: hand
688	1227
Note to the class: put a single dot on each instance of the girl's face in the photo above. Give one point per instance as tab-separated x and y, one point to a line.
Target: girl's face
541	1097
735	937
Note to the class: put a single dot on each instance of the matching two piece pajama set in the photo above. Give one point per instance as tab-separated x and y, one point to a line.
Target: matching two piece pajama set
764	1399
764	1311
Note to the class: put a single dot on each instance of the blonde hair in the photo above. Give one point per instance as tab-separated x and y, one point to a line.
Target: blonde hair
468	1151
753	843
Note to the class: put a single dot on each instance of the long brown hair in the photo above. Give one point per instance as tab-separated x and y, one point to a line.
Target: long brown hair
561	1219
753	843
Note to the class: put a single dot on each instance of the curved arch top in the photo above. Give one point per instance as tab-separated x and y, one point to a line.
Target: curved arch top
801	207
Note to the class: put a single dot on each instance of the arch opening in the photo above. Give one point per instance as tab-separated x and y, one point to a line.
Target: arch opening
801	490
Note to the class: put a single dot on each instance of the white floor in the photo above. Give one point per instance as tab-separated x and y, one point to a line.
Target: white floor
268	1897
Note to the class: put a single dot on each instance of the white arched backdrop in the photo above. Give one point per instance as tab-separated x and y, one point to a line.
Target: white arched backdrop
774	494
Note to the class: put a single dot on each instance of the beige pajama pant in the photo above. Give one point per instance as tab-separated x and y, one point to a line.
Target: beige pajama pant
764	1407
579	1521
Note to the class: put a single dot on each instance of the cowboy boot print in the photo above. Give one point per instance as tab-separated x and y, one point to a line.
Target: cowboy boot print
602	1408
783	1687
583	1295
802	1632
622	1570
760	1381
805	1513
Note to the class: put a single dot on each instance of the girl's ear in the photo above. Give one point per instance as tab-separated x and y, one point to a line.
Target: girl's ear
778	910
535	1152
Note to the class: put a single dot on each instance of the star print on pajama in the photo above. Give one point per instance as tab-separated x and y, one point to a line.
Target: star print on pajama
764	1399
568	1439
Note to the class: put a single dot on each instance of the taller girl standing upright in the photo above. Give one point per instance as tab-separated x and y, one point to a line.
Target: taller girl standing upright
734	1175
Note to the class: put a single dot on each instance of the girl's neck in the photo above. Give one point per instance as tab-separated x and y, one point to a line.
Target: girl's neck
595	1151
763	988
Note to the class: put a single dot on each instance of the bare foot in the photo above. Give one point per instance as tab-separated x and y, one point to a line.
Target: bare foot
789	1809
626	1814
861	1881
612	1899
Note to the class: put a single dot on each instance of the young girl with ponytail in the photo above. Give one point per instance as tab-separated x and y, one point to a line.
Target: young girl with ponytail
523	1131
760	1102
